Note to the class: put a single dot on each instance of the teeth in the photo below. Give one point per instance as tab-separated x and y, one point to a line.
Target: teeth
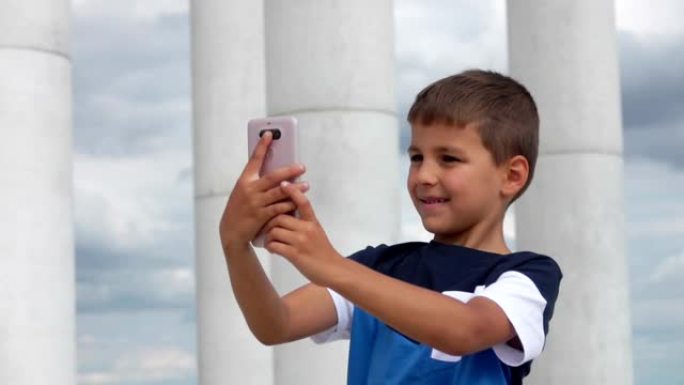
435	200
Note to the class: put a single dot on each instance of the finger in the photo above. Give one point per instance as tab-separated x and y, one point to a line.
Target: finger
257	159
273	178
281	235
306	211
283	221
277	194
278	209
281	249
270	224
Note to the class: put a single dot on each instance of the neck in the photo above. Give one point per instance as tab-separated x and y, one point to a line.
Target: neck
487	236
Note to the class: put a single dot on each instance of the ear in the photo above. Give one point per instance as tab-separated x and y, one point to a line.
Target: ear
515	173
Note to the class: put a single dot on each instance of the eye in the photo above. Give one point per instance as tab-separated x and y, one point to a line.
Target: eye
416	158
450	159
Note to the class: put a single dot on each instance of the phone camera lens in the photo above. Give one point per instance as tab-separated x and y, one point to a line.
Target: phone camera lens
274	131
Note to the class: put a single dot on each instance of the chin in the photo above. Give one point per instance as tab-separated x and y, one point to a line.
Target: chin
435	228
441	229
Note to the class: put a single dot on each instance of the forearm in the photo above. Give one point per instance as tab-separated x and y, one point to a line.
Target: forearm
421	314
260	303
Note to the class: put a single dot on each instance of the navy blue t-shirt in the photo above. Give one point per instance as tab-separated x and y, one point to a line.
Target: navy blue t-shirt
524	284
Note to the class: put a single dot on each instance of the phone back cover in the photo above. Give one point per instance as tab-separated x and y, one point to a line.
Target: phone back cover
283	151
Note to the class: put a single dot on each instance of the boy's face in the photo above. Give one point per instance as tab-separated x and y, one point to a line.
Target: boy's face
453	180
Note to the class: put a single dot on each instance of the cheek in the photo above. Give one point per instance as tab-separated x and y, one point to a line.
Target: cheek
490	179
465	186
410	181
456	183
487	188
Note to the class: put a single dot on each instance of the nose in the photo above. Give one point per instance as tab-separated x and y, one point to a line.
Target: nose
426	174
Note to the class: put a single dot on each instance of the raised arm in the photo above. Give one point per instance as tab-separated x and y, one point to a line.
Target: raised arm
272	319
444	323
253	201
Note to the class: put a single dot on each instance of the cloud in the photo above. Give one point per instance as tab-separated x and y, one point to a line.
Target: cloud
654	228
655	248
146	365
133	192
652	82
136	289
461	34
660	142
669	269
654	206
652	94
659	18
128	9
135	347
134	201
131	84
133	232
657	317
657	357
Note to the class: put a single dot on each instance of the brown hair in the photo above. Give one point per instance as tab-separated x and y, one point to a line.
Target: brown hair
503	110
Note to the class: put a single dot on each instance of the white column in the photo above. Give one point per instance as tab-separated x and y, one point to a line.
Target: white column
228	89
566	53
37	282
331	64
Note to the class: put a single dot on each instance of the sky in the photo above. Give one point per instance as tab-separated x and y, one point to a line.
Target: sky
133	172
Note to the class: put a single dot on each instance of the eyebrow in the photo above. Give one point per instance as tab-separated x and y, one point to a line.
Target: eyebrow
440	149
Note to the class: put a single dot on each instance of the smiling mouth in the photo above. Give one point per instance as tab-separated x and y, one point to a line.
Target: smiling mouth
430	201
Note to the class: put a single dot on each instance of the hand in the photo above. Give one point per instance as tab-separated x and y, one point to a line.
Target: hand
254	200
302	241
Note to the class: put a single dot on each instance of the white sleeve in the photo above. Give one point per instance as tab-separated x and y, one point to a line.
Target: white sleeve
524	306
342	330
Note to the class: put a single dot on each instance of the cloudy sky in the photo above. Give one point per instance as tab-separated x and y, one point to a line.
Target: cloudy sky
133	172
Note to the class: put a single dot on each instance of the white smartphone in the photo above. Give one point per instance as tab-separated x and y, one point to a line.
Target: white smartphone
282	151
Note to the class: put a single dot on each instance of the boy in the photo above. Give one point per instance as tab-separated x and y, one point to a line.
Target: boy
461	309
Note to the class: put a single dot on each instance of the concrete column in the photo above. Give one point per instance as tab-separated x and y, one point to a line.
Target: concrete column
566	53
37	282
330	63
228	89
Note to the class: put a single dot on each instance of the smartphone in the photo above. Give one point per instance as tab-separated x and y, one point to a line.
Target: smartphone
281	153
